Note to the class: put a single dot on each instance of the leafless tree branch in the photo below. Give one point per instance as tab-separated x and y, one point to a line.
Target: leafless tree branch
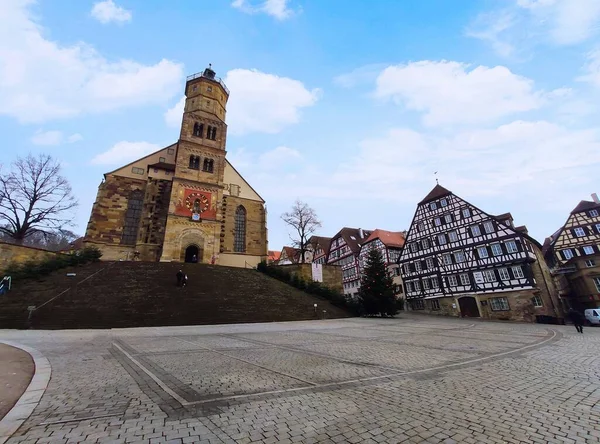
304	221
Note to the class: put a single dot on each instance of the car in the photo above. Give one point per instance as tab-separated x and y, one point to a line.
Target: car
592	316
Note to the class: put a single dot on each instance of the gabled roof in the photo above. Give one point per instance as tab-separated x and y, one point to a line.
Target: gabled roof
163	166
174	145
274	255
291	253
437	192
323	242
585	205
388	238
353	238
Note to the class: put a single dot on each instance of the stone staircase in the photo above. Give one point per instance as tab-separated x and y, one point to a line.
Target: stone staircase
143	294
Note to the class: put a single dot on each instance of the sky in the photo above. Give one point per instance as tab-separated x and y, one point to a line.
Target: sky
355	107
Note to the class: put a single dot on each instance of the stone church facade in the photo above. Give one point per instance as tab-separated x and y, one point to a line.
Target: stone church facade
185	202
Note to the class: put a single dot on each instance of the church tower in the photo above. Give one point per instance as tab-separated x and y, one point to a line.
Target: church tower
194	217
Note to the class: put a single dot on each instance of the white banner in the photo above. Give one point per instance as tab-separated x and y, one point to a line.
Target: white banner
317	272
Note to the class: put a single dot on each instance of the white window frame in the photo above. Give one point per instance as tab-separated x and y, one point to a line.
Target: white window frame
504	275
452	281
494	247
453	236
418	266
499	304
437	221
425	284
593	213
597	284
460	254
444	202
429	262
489	276
588	249
537	301
511	246
475	231
448	218
408	286
445	258
417	285
435	304
590	263
441	239
414	247
433	206
465	279
488	224
420	226
484	249
568	254
478	277
434	282
424	244
598	228
466	212
519	274
579	232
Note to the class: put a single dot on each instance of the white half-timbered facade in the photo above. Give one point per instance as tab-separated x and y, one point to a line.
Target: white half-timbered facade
574	255
459	260
344	252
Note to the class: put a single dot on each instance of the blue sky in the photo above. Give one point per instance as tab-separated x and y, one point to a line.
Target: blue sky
348	105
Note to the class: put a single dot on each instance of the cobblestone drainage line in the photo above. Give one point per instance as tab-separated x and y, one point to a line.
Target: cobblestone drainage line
552	335
31	398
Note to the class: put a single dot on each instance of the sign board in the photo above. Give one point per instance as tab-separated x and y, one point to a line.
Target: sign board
317	272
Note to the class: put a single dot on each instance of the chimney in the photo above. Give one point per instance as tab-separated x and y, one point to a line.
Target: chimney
595	198
361	233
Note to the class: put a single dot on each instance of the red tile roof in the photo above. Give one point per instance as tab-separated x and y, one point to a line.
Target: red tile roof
388	238
274	255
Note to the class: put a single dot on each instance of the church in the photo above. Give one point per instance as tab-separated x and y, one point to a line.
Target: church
185	202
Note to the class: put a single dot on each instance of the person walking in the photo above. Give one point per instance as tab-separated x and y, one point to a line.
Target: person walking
576	319
180	277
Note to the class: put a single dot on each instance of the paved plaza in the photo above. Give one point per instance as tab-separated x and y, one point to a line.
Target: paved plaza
410	379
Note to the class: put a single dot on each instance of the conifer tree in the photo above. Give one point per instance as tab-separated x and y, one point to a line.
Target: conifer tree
376	294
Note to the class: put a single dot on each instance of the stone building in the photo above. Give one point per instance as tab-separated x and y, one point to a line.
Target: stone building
185	202
573	252
390	244
460	261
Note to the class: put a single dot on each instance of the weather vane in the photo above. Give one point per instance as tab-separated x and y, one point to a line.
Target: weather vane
436	179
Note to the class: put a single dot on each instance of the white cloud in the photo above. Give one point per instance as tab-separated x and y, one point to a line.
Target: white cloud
75	80
124	152
592	69
362	75
53	138
107	11
263	102
524	23
174	115
275	8
448	92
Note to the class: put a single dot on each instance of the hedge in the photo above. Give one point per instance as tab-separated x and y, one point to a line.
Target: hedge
315	288
35	269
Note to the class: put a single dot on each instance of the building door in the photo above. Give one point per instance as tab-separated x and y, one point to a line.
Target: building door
192	254
468	307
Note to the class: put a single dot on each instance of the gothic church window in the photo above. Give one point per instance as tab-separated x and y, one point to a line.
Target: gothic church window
132	217
194	162
199	129
239	245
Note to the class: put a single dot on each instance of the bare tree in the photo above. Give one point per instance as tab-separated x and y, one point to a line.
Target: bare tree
34	199
304	222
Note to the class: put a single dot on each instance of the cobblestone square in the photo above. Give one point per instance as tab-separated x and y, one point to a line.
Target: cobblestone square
411	379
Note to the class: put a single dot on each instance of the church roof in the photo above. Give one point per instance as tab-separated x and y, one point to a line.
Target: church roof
585	205
437	192
388	238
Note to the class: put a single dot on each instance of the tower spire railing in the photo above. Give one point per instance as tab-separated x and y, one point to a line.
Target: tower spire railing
203	74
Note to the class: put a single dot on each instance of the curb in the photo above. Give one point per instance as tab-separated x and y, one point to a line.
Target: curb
32	395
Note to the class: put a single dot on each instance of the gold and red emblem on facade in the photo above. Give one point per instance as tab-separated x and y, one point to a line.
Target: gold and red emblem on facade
194	203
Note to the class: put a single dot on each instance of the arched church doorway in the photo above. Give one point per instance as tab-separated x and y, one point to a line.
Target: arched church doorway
192	254
468	307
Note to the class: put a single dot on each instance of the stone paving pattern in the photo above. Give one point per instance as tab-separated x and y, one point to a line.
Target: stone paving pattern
412	379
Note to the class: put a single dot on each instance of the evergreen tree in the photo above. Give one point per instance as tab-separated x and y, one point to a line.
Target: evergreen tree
376	294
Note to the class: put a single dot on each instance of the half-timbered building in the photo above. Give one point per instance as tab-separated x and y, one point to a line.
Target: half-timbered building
317	249
390	244
573	253
344	252
459	260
